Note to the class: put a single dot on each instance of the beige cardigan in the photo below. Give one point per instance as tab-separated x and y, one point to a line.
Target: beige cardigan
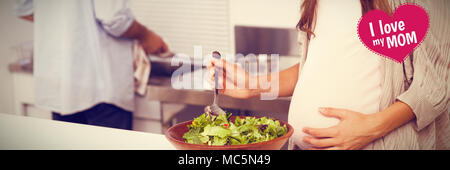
422	82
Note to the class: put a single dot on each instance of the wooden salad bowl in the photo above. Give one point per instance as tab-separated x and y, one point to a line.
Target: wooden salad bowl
175	135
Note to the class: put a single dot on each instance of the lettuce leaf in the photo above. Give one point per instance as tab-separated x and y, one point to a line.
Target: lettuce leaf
218	130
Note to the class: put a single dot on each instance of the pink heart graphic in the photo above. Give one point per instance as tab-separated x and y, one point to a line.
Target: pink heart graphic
397	36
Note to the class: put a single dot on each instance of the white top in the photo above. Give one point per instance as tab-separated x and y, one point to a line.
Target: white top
78	59
19	132
339	71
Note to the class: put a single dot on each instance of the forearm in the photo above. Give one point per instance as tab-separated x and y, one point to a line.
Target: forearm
287	79
392	117
150	41
136	31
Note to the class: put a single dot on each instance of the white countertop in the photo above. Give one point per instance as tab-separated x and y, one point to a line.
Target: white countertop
19	132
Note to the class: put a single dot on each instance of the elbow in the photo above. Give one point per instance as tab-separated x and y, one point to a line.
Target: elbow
116	23
116	27
426	104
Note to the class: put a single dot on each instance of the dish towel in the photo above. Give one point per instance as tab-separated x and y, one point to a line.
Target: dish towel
142	68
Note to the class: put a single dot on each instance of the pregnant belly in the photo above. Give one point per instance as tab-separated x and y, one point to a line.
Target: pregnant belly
337	89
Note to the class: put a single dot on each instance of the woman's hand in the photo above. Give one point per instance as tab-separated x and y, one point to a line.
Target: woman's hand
233	79
354	131
239	84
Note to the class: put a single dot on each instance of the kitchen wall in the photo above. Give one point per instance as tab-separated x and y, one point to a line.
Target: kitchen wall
12	32
265	13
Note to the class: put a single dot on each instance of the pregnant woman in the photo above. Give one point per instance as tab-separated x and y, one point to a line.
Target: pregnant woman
346	97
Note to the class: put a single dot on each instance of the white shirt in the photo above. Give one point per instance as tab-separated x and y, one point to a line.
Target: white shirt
339	71
79	61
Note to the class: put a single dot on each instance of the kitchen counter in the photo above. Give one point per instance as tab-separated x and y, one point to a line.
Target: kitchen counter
20	132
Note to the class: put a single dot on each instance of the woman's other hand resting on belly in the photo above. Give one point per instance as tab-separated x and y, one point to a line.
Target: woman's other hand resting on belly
356	130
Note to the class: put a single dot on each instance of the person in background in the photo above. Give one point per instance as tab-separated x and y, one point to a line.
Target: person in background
83	66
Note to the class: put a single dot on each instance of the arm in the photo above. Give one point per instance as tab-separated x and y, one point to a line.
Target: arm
391	118
289	78
235	74
24	9
429	92
151	42
117	19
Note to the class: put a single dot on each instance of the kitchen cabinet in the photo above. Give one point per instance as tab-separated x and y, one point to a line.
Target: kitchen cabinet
154	116
24	97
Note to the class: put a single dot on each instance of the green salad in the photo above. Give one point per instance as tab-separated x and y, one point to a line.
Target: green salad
219	130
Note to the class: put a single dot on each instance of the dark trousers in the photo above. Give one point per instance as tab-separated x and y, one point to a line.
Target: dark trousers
103	114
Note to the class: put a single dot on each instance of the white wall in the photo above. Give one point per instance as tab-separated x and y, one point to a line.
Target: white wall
12	31
266	13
